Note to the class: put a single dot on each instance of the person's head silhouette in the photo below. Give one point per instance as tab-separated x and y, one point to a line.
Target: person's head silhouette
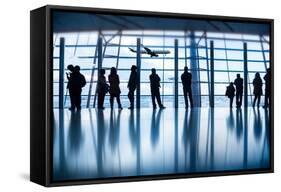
70	68
77	68
133	68
268	70
153	70
257	75
113	71
238	76
231	83
186	69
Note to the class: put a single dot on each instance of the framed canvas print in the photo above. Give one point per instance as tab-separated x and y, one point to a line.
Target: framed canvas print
125	95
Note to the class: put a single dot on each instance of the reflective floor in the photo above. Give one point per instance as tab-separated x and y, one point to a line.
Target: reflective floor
113	143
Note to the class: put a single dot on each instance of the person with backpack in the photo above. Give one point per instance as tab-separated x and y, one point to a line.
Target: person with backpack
230	92
76	83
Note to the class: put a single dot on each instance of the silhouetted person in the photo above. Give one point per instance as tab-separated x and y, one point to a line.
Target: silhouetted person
76	82
230	92
102	88
239	90
69	75
257	83
114	89
267	94
186	78
154	87
132	85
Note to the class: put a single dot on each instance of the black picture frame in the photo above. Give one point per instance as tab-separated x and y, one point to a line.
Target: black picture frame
41	94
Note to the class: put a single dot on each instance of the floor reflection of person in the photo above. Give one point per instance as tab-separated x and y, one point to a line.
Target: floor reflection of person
132	85
75	134
257	83
257	124
102	88
114	89
186	78
155	126
154	87
230	119
267	79
239	123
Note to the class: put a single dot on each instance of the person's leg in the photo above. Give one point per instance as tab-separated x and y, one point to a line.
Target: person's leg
237	99
72	103
240	100
102	100
185	97
99	100
190	98
265	100
118	101
111	99
78	101
131	98
158	98
259	99
255	99
153	99
230	102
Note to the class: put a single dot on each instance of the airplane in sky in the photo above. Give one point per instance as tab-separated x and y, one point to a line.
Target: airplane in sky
152	53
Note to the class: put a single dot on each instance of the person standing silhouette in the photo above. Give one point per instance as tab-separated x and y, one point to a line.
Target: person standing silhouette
114	89
186	78
154	87
257	83
77	81
239	90
230	92
132	85
102	88
267	79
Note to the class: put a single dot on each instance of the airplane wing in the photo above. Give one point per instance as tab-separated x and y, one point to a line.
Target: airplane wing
147	50
134	51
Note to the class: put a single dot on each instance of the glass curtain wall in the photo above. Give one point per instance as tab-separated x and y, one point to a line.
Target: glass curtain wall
193	52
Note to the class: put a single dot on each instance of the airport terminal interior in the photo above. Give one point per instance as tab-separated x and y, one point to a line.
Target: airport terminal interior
92	143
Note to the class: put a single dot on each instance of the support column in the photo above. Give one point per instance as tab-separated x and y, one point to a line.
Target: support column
176	73
138	72
100	54
212	76
195	71
245	75
61	73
